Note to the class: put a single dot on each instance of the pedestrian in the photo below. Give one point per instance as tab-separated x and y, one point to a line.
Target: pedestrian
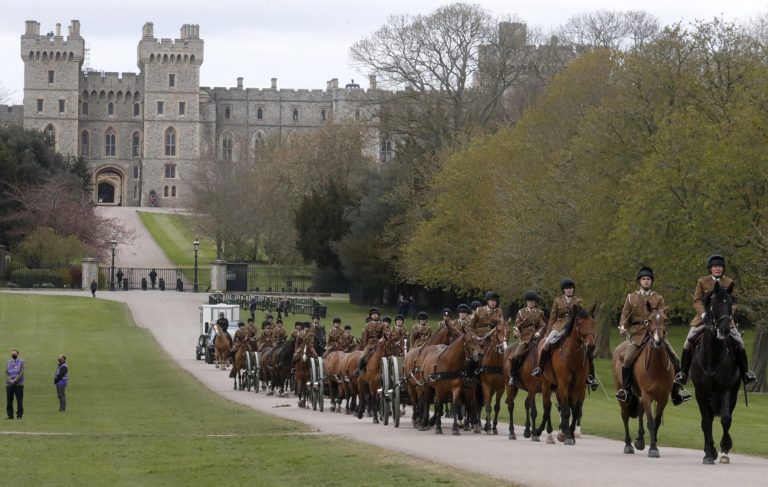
120	278
60	380
14	384
94	287
253	307
412	306
153	277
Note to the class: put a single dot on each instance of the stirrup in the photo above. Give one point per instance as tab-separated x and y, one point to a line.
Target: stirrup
749	377
681	378
592	382
622	395
511	381
537	372
680	396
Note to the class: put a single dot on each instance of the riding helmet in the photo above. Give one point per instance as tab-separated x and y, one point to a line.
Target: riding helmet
306	325
531	296
447	311
347	327
387	319
399	317
644	272
463	308
315	315
374	310
566	283
715	259
422	315
491	295
337	320
475	304
240	324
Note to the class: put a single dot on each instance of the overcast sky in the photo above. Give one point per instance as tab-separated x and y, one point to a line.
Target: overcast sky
302	43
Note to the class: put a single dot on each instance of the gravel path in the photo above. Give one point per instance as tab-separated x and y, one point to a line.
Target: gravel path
142	251
172	318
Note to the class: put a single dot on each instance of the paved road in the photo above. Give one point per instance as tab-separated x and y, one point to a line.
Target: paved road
594	462
142	251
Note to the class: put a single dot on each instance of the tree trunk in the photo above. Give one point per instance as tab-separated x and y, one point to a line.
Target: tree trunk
603	318
760	357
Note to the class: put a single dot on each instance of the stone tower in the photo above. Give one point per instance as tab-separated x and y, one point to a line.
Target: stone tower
51	83
171	70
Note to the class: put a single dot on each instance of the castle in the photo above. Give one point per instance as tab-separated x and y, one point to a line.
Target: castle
142	134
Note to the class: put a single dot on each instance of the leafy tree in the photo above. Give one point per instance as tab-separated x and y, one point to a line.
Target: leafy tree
321	222
45	248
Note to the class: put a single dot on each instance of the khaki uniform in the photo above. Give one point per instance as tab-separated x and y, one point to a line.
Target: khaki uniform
372	332
558	317
462	325
343	343
528	322
442	324
305	338
420	335
397	343
485	319
634	318
704	287
278	334
334	335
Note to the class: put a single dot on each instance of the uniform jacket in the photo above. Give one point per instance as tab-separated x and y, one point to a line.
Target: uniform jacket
704	287
334	335
462	325
484	319
560	313
398	336
528	322
373	331
634	314
420	336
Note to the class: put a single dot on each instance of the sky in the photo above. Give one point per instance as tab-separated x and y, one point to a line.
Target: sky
302	43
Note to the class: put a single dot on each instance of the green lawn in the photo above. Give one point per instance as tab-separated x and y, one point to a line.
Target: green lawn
175	234
135	418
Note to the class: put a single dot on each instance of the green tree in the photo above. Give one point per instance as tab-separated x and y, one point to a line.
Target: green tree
320	223
45	248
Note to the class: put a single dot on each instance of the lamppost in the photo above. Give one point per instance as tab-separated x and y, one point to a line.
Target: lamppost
113	243
196	246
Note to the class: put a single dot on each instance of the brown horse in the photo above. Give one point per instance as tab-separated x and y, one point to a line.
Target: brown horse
446	369
654	375
277	363
301	376
567	372
528	383
348	363
242	347
491	373
369	381
222	343
415	378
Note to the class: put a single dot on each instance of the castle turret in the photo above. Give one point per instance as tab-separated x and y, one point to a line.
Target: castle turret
51	83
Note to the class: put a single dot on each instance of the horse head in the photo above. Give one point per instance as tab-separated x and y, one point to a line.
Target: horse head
719	306
472	347
657	325
500	336
582	322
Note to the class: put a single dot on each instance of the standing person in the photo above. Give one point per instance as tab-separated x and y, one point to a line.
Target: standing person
633	324
705	286
252	307
153	277
94	287
412	307
14	384
60	380
120	278
402	305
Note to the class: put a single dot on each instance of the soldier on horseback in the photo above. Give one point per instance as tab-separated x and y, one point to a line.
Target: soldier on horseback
634	316
305	339
278	332
345	341
486	318
462	322
558	317
704	287
529	324
335	333
422	332
446	319
223	323
373	331
398	337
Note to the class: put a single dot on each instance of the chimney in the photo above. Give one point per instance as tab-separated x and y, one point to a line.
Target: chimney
33	28
58	29
74	28
240	83
333	84
148	30
372	81
274	83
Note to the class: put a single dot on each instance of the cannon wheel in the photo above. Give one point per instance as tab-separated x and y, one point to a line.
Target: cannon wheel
248	376
256	372
208	356
395	392
311	383
320	381
384	399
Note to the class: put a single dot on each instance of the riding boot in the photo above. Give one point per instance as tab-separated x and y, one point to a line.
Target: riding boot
682	376
591	381
679	395
542	363
741	358
514	364
626	384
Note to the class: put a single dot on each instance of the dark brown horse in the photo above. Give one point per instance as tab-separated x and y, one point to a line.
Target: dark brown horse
369	381
446	368
567	372
334	379
279	366
222	343
301	376
654	375
491	373
528	383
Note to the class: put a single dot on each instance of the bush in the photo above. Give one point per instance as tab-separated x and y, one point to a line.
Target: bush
36	278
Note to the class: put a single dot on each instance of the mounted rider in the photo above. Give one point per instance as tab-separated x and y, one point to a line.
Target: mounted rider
462	322
529	325
335	333
223	323
345	342
398	338
250	329
486	318
305	342
558	317
374	330
705	286
266	340
422	332
634	325
278	332
446	321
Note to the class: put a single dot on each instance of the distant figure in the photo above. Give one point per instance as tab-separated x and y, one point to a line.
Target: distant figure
152	200
402	305
412	304
153	277
120	278
60	380
253	307
94	287
14	384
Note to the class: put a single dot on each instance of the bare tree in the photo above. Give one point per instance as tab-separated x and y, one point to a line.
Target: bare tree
5	94
610	29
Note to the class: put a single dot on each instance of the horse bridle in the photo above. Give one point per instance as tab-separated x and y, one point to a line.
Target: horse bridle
653	327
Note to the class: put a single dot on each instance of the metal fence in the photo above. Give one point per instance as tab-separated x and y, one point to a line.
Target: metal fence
280	278
281	305
180	278
61	277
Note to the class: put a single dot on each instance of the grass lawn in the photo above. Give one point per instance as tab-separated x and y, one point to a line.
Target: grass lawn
681	427
135	418
175	234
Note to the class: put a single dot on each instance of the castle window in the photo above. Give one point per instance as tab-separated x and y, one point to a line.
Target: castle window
135	172
110	108
135	192
109	143
295	114
170	142
50	135
386	153
259	145
85	143
182	108
136	109
165	191
227	112
136	145
171	80
61	106
357	114
173	191
160	107
226	148
51	76
85	108
259	114
39	105
170	171
322	114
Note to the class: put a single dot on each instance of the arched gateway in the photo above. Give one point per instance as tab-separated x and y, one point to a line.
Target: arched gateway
109	186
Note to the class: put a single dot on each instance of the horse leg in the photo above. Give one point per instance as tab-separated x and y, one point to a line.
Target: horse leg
546	418
628	448
438	414
511	393
654	419
530	418
726	443
456	406
565	415
496	409
710	454
374	402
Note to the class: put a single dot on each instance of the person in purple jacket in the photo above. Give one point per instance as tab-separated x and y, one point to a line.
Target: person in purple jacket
14	384
60	380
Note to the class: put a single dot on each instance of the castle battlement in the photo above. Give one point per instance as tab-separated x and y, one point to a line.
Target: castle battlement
94	80
52	46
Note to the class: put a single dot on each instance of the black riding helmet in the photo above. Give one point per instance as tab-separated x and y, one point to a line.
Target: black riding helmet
315	315
715	259
337	320
463	308
447	311
492	295
422	315
475	304
240	324
373	310
644	272
347	327
531	296
387	319
399	317
566	283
